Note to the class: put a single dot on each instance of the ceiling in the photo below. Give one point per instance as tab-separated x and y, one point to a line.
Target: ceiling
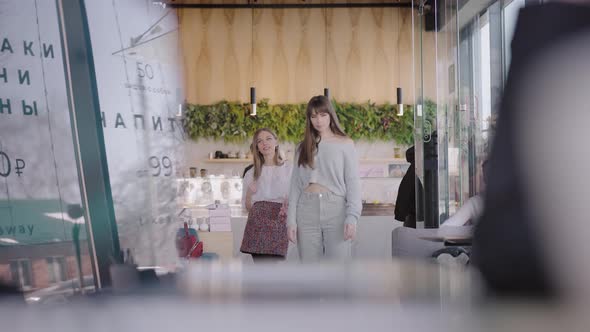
286	3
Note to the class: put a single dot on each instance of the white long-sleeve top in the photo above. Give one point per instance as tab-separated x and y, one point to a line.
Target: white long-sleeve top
271	186
470	210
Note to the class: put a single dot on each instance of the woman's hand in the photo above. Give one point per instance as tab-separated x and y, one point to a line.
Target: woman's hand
284	208
292	233
349	232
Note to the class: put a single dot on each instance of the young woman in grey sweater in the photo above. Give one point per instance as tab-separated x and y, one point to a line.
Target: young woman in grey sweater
325	191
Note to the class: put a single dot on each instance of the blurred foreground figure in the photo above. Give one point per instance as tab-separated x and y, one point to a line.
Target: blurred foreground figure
520	242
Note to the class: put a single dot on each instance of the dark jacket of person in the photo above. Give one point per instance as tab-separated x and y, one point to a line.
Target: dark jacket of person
246	170
405	204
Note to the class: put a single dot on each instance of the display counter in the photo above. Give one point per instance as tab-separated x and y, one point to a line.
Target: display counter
373	241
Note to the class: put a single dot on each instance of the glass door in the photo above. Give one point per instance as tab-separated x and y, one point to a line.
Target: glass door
45	245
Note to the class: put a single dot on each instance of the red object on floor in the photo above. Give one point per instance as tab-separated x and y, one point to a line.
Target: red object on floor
188	245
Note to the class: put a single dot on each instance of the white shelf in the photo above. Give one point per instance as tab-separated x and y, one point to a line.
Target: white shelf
228	161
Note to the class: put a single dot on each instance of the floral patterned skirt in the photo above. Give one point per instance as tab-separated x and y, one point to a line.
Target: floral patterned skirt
266	232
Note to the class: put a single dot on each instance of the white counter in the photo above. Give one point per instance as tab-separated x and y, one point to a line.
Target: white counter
373	240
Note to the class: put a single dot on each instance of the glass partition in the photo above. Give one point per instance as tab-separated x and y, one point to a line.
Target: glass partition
137	62
472	54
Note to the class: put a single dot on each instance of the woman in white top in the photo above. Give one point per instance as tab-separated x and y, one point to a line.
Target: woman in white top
264	195
325	195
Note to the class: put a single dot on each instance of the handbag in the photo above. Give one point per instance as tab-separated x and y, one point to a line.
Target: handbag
188	244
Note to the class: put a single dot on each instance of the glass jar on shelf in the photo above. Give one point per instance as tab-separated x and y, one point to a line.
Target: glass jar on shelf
397	152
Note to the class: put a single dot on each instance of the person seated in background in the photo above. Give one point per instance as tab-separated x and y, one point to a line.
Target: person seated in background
471	210
467	214
461	223
413	242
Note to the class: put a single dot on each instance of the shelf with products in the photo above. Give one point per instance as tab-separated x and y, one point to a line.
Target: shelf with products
382	168
196	194
368	169
229	161
200	192
364	161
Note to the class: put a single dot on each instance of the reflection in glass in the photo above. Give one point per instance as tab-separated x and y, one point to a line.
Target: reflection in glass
38	172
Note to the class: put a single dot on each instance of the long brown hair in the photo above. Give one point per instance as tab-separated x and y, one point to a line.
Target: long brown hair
311	138
258	158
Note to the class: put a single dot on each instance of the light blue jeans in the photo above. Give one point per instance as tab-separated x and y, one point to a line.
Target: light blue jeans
320	227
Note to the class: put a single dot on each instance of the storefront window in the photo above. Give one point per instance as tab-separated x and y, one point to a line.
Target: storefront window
39	183
160	176
139	80
149	65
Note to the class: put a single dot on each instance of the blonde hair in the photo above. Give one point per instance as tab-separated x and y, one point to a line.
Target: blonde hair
258	158
311	138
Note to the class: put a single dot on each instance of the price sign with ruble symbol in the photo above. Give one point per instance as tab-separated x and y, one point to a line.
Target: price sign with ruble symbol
8	166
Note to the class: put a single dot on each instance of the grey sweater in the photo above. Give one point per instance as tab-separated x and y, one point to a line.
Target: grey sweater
336	168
